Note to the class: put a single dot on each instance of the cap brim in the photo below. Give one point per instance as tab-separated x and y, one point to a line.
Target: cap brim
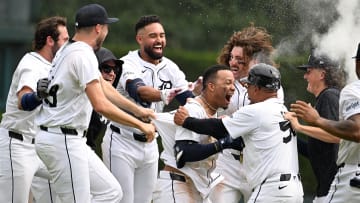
244	80
119	62
303	67
111	20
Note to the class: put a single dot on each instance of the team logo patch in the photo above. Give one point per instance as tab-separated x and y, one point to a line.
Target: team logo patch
352	105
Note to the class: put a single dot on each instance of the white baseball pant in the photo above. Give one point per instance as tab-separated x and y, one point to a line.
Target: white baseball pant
78	174
274	190
175	189
19	164
133	163
340	189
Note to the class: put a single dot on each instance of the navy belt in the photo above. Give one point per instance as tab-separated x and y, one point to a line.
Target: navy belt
19	136
138	137
66	131
177	177
236	156
343	164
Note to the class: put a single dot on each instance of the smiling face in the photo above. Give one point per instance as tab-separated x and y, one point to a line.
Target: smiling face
237	63
152	41
315	78
223	88
108	72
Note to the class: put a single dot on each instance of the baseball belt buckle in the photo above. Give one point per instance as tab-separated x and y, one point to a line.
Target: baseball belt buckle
241	158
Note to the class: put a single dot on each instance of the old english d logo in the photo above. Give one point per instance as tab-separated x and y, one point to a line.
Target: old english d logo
165	84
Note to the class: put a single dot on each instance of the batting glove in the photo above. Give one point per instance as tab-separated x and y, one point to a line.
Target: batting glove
41	88
167	95
228	142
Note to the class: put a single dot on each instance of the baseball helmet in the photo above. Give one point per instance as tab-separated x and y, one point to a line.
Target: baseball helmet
357	53
264	75
320	61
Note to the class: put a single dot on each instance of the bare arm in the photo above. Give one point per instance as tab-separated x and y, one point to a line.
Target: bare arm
103	106
311	131
122	102
149	94
347	129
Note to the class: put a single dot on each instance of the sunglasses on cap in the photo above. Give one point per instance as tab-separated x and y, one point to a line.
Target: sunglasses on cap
107	68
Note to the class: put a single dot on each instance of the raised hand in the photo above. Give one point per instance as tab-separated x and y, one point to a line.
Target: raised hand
167	95
305	111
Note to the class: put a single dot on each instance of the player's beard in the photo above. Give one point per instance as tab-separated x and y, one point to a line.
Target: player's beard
149	51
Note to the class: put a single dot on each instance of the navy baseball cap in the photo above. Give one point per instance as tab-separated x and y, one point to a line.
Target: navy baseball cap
92	14
264	75
104	54
357	53
320	61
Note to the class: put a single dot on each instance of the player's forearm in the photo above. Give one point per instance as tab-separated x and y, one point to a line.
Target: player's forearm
318	133
119	100
345	129
149	94
119	116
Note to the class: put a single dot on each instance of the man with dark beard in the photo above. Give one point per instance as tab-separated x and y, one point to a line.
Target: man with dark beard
151	80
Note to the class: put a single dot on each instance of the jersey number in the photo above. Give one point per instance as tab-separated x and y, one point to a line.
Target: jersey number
284	126
52	94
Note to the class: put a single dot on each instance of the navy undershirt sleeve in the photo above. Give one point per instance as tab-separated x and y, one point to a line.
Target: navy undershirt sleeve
193	151
211	126
181	98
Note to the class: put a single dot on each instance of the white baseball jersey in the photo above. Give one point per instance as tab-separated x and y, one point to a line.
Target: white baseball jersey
165	75
349	105
19	161
349	152
31	68
268	149
73	166
200	172
67	104
123	155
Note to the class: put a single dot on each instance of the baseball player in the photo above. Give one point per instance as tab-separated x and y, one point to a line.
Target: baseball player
188	173
244	49
270	152
75	89
346	184
151	80
18	160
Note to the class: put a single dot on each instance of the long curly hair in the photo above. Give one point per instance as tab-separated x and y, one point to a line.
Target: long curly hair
253	40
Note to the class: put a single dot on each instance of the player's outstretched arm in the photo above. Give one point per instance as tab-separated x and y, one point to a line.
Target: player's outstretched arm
346	129
311	131
103	106
122	102
211	126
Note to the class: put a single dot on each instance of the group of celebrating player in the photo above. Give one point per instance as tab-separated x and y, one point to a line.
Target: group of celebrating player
232	138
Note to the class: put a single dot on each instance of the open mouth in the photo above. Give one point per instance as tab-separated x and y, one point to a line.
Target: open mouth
158	48
234	69
228	97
